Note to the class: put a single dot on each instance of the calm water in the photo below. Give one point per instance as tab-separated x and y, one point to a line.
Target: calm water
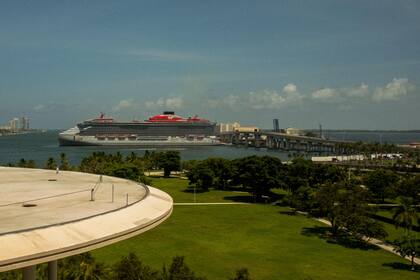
377	136
41	146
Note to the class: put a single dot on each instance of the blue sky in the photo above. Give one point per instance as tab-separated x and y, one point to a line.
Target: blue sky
345	64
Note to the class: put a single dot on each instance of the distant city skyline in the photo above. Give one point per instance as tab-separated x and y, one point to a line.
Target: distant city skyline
342	64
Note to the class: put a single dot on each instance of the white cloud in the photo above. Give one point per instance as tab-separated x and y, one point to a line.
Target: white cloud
393	90
360	91
326	94
271	99
290	88
231	101
292	95
39	108
265	99
124	105
53	106
335	95
176	102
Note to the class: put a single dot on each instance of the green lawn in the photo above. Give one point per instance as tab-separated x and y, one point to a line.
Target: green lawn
177	189
218	239
385	213
393	232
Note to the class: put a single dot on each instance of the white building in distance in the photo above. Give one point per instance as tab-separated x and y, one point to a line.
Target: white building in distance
294	131
227	127
14	125
235	127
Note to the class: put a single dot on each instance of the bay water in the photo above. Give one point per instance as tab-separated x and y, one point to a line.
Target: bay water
41	146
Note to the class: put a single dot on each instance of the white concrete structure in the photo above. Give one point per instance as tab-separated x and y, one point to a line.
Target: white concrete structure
294	131
46	216
14	124
386	156
227	127
337	158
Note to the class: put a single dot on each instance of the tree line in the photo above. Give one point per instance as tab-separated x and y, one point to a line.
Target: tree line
335	193
130	267
345	199
131	167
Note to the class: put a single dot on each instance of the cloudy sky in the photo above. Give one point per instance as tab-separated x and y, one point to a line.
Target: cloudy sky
344	64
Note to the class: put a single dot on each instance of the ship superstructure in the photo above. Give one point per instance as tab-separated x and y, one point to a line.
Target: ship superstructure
166	129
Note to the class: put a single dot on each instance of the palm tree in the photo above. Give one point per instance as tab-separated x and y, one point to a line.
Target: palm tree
82	267
65	165
408	246
51	164
405	214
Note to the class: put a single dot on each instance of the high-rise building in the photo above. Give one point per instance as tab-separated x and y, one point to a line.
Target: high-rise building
276	126
24	123
14	124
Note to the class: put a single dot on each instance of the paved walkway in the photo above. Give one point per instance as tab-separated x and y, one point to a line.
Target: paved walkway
379	243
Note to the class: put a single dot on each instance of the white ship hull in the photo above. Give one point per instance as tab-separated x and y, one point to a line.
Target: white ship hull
71	138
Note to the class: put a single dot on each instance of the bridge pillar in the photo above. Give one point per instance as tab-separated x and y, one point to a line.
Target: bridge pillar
236	138
269	142
257	140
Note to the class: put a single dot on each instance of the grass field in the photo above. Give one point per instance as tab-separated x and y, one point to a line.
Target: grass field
218	239
393	232
177	189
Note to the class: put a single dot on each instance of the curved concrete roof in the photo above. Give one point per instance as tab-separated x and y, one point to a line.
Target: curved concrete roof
61	219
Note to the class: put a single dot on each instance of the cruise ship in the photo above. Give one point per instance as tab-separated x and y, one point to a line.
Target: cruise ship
166	129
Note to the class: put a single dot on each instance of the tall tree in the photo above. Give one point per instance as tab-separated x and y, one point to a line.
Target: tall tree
409	187
31	164
51	164
241	274
179	270
222	169
22	163
170	161
380	182
80	267
131	268
405	215
64	163
259	174
408	246
201	176
345	207
298	174
327	198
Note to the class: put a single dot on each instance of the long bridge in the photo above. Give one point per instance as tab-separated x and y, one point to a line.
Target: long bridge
281	141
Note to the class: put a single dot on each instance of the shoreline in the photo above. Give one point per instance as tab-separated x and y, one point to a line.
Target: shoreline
23	132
